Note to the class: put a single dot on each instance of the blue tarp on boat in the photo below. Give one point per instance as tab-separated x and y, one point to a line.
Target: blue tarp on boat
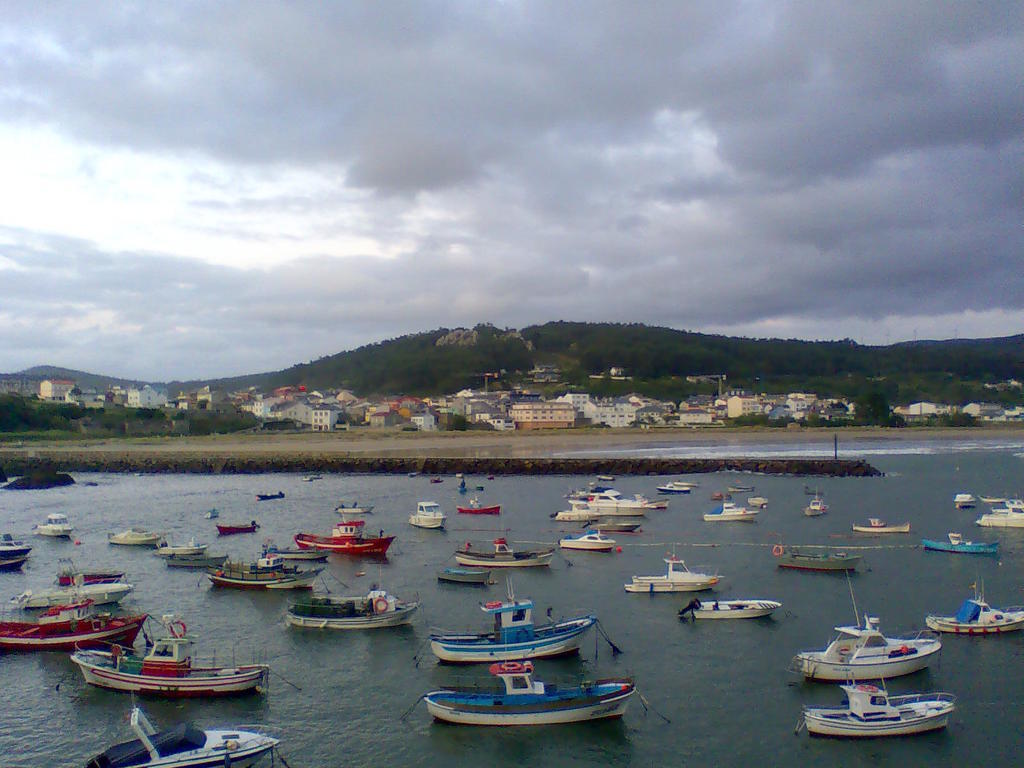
969	611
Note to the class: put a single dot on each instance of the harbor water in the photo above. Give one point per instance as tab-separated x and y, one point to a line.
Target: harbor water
719	693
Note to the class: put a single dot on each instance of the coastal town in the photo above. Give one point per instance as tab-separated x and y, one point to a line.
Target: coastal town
532	406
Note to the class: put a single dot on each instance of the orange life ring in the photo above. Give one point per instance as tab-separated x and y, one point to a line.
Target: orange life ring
777	550
512	666
380	605
180	624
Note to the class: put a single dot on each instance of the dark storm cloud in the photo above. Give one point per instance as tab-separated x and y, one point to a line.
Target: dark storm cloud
696	165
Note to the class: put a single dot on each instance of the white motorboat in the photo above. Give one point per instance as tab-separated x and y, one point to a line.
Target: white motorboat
864	653
100	594
134	537
578	512
1002	517
757	502
11	547
374	610
729	609
590	541
56	525
816	507
964	501
727	511
976	617
992	499
610	502
428	515
677	486
184	746
166	549
870	711
678	578
353	509
880	526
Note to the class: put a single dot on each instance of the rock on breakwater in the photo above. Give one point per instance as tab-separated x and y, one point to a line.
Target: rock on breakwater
177	463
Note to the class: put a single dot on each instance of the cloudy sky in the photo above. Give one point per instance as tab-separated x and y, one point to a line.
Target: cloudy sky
198	189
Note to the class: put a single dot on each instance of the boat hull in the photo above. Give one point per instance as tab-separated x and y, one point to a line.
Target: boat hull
303	580
731	517
951	625
122	631
1013	520
485	560
195	561
818	564
905	528
12	562
344	546
815	668
464	576
445	706
492	510
394	618
736	609
427	521
961	549
827	721
98	669
100	594
248	750
561	639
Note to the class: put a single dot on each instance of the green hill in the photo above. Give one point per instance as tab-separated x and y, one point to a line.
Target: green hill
659	360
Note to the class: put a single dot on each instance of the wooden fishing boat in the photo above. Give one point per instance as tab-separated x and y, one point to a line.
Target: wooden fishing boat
308	555
465	575
347	538
503	556
231	529
729	609
166	549
354	509
68	575
958	545
168	669
266	573
864	653
513	636
475	508
677	578
375	610
195	561
976	617
521	700
269	496
870	712
819	559
185	746
880	526
65	627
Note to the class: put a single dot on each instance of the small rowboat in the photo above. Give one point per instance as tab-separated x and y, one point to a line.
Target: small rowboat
614	524
353	509
871	712
269	496
474	508
740	488
265	573
135	537
957	545
232	529
194	561
729	609
465	575
311	555
503	556
879	526
166	549
523	701
800	559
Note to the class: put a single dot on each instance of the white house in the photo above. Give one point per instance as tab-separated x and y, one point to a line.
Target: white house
985	411
147	397
578	400
55	389
298	411
324	418
425	421
618	413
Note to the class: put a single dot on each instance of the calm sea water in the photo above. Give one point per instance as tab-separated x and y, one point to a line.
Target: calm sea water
723	685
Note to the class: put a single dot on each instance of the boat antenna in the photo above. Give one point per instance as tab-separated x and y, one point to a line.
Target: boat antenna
508	588
856	615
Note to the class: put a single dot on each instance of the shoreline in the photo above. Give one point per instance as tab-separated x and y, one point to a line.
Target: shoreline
540	452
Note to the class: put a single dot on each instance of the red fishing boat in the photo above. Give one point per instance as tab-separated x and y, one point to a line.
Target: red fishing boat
346	538
65	627
474	508
68	575
229	530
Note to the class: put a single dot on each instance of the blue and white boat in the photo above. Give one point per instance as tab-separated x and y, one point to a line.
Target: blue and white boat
956	543
514	636
525	701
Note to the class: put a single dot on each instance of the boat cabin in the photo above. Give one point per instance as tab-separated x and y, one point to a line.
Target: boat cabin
501	547
271	561
169	657
869	702
513	620
352	529
56	518
428	509
60	614
517	677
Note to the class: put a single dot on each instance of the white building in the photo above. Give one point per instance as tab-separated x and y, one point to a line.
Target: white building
55	389
147	397
324	418
425	421
578	400
620	413
743	405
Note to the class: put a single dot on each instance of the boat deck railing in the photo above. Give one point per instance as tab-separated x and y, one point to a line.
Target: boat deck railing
922	698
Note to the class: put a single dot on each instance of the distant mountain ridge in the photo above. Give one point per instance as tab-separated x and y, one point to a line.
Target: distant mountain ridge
83	379
657	359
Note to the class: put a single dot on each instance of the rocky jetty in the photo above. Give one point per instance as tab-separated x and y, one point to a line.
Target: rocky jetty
39	477
127	462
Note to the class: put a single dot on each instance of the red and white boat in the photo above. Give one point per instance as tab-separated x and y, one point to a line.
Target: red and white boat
68	575
347	538
167	670
65	627
474	508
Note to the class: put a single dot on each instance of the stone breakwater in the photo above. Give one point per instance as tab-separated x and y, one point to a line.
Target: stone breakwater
71	462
